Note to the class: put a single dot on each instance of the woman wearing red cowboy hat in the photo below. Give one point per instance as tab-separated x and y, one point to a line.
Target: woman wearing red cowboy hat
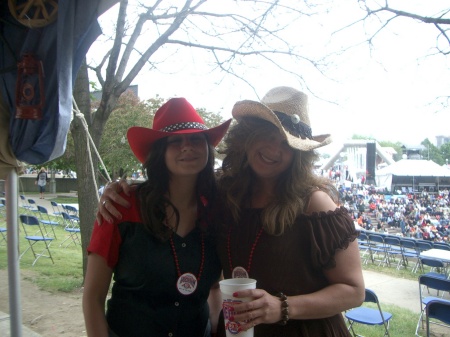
280	224
159	253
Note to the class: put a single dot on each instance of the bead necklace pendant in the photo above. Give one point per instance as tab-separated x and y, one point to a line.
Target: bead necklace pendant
239	272
187	284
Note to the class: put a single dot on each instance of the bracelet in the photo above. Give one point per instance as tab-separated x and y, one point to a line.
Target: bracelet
284	309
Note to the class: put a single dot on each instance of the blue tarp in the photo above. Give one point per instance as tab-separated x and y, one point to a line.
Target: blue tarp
61	46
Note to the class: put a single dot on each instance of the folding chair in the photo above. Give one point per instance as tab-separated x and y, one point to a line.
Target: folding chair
441	245
438	310
73	228
369	316
3	208
433	283
56	209
46	221
423	245
394	250
438	268
72	212
3	215
410	251
378	248
2	235
33	239
24	202
33	206
363	245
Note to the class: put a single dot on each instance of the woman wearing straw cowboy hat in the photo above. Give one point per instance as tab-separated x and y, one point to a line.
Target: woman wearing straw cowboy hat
281	225
160	252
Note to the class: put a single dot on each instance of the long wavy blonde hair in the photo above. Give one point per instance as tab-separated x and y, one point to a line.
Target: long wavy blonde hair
294	186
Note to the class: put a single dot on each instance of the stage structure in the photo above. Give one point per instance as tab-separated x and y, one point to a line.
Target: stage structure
360	160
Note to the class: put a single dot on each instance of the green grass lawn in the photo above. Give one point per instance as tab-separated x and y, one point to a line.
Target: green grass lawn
60	199
66	275
65	200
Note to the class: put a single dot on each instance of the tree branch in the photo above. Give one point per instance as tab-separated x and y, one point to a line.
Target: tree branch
161	40
438	20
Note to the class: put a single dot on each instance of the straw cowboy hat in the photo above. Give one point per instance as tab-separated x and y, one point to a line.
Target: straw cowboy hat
176	116
287	109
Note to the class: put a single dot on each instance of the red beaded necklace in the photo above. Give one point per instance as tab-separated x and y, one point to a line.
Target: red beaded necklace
187	282
240	271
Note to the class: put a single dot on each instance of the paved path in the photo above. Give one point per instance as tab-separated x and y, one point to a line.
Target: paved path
392	290
5	328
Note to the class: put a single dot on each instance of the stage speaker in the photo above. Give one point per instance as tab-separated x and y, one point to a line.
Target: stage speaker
370	163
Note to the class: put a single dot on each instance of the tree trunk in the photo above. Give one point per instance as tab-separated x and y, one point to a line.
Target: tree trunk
87	195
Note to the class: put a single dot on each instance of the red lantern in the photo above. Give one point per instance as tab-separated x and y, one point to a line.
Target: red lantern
30	96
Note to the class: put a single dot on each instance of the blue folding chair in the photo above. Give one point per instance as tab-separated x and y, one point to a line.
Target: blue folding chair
369	316
46	221
423	245
438	310
28	222
3	215
3	230
72	227
410	251
72	211
441	245
3	208
56	209
377	249
394	251
432	282
438	268
363	244
24	202
33	206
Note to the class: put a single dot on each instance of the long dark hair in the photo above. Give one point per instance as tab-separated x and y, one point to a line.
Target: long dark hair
152	193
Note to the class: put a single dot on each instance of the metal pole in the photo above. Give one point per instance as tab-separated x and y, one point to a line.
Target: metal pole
15	310
52	181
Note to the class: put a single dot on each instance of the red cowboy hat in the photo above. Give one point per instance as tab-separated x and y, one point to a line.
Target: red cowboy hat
176	116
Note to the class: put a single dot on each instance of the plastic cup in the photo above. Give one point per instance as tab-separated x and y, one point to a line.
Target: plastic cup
227	288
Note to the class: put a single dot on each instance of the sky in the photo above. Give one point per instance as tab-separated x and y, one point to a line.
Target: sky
385	91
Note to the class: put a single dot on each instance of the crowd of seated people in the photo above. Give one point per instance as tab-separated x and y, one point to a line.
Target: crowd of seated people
423	216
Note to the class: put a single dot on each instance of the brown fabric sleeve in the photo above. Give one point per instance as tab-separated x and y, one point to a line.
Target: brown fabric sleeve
330	231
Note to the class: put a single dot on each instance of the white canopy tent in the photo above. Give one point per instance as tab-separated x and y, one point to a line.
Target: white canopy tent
410	168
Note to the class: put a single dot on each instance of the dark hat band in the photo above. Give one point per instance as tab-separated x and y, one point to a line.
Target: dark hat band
295	127
184	126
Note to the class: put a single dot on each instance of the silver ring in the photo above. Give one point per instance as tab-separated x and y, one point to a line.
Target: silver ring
104	202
